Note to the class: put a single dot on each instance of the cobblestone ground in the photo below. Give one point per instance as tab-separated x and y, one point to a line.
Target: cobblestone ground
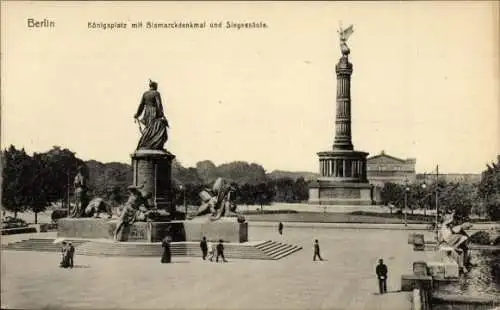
345	280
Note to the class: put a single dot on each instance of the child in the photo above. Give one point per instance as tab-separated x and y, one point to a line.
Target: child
211	252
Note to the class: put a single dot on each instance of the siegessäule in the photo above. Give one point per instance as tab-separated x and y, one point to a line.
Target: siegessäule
245	25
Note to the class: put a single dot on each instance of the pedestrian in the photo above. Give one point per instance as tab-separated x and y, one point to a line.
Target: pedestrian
381	272
220	252
204	247
71	254
167	255
316	250
65	255
211	248
280	228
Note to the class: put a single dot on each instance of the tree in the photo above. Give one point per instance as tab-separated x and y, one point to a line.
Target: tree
110	179
458	197
242	172
37	195
263	194
284	190
392	193
300	190
207	171
489	190
62	165
16	176
182	175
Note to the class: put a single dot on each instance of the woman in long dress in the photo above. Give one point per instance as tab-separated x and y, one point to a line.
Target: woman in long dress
167	255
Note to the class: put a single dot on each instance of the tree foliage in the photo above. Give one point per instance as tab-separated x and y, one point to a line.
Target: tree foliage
242	172
207	171
35	182
489	190
392	193
16	174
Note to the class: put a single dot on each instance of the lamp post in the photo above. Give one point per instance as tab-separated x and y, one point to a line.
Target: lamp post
437	201
67	192
407	189
424	186
184	201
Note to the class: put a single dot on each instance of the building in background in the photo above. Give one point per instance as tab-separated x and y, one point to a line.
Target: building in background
383	168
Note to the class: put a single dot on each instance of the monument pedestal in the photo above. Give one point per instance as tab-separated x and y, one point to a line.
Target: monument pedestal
227	229
343	179
153	171
330	192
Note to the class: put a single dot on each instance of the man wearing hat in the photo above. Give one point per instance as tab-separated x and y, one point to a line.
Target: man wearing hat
381	271
131	209
71	254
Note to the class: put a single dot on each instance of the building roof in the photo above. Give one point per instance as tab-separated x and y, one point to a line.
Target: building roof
392	158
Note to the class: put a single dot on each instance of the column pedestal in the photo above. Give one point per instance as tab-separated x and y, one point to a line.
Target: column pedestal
153	171
343	187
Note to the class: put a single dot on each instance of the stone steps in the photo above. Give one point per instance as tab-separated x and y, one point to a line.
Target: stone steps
277	250
155	249
39	244
268	250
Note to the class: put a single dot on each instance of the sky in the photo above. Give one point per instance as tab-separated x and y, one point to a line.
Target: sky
425	81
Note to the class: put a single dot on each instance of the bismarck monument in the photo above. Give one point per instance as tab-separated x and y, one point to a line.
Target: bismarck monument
152	164
150	214
343	170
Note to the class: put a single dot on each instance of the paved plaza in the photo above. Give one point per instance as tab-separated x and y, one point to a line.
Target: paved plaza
345	280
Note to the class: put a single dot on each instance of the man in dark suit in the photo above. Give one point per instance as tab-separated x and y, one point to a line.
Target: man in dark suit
204	247
381	272
71	254
220	252
316	250
280	228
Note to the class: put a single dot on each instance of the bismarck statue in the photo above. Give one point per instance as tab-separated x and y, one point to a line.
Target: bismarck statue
152	164
154	135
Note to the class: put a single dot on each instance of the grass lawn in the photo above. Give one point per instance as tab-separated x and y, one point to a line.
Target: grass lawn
314	217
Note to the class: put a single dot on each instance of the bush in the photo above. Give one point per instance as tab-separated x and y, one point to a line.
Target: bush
493	209
20	230
58	214
497	241
12	222
481	238
495	267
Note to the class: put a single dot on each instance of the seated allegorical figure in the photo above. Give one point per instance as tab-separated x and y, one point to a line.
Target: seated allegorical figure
218	201
137	209
97	206
453	235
